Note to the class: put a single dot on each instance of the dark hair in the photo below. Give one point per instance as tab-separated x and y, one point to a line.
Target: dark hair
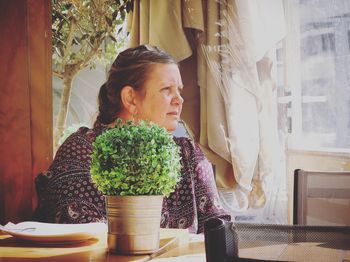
129	68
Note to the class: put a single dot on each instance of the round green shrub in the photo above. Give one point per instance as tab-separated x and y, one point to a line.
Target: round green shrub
134	159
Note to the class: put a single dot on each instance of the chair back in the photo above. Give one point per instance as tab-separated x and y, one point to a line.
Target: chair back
321	198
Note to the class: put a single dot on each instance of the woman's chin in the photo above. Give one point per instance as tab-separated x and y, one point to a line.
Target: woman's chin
171	127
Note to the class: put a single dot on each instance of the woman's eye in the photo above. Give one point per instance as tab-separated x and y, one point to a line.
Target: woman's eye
166	89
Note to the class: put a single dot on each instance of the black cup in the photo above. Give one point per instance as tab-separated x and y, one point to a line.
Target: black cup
221	242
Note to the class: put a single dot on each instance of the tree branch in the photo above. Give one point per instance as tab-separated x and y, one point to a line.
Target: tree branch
69	42
90	54
57	74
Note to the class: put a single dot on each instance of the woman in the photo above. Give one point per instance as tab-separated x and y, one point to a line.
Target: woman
144	83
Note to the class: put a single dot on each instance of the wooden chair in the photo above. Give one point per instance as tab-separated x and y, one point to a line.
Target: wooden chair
321	198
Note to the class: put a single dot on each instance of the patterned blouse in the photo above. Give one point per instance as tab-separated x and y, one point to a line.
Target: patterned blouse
66	193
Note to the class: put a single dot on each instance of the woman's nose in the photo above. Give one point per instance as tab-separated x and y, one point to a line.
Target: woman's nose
178	98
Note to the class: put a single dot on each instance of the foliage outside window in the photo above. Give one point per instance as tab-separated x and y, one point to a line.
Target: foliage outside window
83	31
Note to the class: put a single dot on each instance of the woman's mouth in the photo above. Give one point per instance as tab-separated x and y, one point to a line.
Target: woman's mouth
175	115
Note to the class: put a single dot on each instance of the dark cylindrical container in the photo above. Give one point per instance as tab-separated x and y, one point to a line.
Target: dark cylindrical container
221	241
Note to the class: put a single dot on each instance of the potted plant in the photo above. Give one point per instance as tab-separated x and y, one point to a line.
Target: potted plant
134	166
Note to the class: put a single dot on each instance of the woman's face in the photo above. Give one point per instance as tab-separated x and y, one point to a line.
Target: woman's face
161	101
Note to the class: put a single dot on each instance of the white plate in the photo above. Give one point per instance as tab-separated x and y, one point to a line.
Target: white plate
54	233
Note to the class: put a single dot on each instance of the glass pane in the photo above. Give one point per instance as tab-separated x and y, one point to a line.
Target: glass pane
325	83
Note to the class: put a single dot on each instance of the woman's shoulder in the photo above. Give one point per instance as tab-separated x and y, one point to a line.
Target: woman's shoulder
80	140
188	146
84	133
183	141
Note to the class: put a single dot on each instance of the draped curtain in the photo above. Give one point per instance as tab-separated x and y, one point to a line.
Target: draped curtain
225	50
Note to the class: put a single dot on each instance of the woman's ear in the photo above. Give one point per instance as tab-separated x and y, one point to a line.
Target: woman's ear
128	99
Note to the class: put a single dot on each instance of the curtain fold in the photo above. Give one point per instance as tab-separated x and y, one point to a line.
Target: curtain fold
229	43
161	23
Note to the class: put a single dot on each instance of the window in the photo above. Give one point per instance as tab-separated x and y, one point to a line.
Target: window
314	95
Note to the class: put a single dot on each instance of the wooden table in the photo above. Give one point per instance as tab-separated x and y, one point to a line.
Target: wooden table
177	245
12	249
194	251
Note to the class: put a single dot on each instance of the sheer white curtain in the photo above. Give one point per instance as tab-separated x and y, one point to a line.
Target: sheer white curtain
241	65
231	57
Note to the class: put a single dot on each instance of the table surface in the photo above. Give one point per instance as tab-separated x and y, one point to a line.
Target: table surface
176	245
